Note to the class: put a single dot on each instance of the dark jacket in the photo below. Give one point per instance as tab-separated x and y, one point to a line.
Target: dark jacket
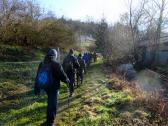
58	75
82	65
74	61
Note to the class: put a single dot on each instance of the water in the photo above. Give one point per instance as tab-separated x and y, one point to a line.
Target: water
149	81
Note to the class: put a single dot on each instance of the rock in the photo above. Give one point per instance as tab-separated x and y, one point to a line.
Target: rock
128	71
109	85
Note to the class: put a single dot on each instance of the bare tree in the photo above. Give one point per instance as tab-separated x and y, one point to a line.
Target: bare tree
135	16
134	19
161	5
156	15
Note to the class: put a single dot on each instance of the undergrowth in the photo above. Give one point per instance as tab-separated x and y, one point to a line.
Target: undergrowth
19	53
147	108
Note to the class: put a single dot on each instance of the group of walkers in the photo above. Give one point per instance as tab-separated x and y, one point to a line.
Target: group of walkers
51	72
89	57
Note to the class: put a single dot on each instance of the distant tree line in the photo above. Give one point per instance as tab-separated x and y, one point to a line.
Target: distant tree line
86	28
23	23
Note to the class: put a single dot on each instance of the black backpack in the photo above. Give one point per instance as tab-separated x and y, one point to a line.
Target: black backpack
81	63
68	64
44	78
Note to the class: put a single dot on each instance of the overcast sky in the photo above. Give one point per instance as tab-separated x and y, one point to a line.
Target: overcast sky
81	9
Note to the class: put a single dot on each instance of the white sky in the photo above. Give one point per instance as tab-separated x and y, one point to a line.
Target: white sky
81	9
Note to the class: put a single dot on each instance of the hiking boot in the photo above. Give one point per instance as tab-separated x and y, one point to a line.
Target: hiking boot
71	94
51	125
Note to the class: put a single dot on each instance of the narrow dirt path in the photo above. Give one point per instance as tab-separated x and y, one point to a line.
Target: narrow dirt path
94	83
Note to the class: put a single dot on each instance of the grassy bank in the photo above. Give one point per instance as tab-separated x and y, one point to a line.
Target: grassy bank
92	104
17	100
19	53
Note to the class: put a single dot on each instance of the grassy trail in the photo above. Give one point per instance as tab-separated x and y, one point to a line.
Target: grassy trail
93	86
92	105
19	106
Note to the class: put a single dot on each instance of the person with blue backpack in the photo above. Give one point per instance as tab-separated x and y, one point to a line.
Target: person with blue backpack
48	78
86	59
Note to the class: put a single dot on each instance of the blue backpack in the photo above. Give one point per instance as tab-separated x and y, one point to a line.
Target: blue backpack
44	76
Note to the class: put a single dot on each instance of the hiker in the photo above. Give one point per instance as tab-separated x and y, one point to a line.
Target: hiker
80	70
89	58
70	63
86	58
94	57
48	77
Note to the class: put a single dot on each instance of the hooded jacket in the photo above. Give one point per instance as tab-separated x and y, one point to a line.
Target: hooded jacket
74	61
57	72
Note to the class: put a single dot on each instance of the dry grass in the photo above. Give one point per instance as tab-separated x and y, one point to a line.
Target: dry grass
155	104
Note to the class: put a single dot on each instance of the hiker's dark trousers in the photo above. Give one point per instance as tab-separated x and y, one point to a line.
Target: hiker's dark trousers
71	77
52	106
79	77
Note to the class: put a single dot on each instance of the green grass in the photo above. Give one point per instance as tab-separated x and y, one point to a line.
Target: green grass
96	105
19	53
17	100
92	105
16	88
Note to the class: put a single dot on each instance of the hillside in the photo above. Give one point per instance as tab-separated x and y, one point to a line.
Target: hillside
9	53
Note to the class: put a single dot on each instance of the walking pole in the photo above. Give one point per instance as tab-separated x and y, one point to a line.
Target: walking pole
69	107
59	55
69	102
